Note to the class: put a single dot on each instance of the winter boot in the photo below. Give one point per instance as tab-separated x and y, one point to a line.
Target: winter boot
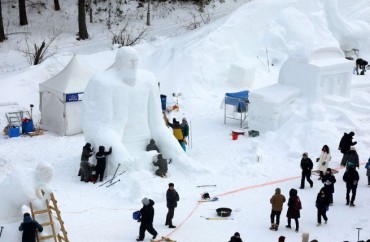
276	227
272	227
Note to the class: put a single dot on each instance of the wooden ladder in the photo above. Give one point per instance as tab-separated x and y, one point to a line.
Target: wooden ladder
49	210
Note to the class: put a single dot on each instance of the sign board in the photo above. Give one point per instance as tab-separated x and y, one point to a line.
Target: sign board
74	97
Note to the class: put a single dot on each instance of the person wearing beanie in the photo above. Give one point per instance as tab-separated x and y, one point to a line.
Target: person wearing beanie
162	166
172	198
277	201
329	179
101	161
345	145
281	239
152	146
236	238
306	166
351	179
85	167
146	219
29	227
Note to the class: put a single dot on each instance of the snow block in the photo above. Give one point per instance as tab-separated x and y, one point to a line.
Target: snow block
241	76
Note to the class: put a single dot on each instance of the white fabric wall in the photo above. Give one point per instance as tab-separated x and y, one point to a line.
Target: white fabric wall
52	110
73	118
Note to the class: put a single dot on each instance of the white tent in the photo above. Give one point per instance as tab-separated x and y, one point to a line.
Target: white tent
60	99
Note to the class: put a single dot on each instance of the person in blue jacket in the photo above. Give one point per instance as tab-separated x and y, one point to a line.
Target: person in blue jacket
29	227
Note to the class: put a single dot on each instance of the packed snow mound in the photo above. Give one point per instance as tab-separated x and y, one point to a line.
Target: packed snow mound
245	34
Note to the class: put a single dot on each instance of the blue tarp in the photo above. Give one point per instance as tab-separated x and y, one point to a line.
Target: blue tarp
237	99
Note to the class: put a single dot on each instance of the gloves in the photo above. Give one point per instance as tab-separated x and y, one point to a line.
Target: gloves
323	163
317	159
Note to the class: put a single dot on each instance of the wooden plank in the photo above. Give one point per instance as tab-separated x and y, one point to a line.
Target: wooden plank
47	224
41	211
46	237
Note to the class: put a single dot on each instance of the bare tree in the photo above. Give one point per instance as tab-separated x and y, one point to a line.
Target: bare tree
82	29
128	37
39	53
56	5
22	12
2	33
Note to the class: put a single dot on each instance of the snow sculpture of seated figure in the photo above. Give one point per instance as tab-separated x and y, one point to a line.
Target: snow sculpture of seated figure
23	186
122	109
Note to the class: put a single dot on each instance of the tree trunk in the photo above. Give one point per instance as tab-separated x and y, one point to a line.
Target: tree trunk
56	5
2	33
82	29
22	12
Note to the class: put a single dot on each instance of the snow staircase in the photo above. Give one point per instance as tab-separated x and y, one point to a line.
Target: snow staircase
51	209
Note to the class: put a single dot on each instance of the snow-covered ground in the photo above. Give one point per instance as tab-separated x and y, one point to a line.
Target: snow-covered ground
247	170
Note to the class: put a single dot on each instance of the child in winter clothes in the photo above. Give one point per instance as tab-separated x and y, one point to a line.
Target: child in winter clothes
101	161
367	166
277	201
322	205
323	160
236	238
329	179
294	206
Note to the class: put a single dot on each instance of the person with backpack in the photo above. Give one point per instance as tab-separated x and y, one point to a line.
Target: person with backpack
322	205
185	130
101	162
294	207
172	197
277	201
146	219
329	179
29	227
306	166
345	145
352	158
177	132
236	238
367	167
162	166
351	178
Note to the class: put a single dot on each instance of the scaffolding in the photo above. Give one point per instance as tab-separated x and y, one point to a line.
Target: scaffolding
236	107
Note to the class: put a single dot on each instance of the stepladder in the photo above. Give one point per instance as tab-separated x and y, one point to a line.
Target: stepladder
47	213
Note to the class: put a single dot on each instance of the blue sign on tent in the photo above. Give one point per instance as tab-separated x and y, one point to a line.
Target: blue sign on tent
74	97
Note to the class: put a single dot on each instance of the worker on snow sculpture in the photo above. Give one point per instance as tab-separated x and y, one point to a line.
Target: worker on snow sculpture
122	109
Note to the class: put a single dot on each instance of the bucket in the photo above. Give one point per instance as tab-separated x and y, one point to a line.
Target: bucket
163	101
136	215
13	131
234	135
27	126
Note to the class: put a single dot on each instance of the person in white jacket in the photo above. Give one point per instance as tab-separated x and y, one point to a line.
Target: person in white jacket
323	160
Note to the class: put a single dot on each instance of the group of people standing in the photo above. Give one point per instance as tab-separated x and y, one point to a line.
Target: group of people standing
88	171
147	213
324	198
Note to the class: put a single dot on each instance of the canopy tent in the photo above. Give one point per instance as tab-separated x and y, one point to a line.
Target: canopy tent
238	101
60	99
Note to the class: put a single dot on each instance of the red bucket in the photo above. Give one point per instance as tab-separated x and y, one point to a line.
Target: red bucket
235	136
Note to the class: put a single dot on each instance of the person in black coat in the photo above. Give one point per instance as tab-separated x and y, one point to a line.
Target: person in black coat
294	207
306	166
351	178
329	179
87	152
152	146
172	198
345	145
29	227
352	158
101	161
322	205
147	216
162	166
361	64
236	238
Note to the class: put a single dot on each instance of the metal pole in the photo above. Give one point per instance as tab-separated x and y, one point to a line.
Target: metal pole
148	13
358	234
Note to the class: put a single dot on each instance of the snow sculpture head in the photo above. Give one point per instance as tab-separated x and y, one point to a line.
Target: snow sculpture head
44	172
126	65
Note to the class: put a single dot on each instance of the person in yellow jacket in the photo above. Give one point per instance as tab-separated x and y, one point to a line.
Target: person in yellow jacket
177	131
